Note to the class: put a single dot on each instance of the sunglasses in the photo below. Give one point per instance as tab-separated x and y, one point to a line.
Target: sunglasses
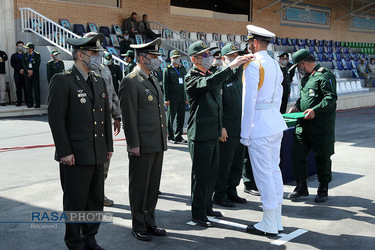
205	55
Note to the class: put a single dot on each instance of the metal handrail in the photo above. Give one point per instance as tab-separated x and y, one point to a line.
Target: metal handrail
171	37
51	31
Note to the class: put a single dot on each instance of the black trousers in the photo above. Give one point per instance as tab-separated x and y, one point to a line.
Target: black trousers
32	84
176	110
144	182
20	87
205	158
284	104
83	187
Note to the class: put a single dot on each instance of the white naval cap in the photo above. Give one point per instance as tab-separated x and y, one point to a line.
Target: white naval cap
258	33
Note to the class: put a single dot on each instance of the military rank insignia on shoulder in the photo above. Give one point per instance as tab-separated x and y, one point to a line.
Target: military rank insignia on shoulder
321	70
67	72
131	75
37	53
95	74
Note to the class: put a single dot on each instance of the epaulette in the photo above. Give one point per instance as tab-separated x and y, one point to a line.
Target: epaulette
96	74
131	75
321	70
67	72
50	61
37	53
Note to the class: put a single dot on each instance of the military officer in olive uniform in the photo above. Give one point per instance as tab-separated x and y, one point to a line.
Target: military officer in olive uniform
30	64
115	70
174	95
79	117
317	130
204	127
231	150
129	58
55	65
143	114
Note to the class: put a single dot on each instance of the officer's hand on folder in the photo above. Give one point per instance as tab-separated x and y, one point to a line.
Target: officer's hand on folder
293	109
309	114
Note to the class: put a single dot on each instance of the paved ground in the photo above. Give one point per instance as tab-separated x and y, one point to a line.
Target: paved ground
30	182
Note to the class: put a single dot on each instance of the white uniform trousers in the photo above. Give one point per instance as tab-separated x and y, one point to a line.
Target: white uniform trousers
265	158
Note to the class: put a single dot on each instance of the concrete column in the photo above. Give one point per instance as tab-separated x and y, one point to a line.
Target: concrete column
8	39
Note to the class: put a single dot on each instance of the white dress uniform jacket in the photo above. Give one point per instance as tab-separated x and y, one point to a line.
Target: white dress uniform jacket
261	108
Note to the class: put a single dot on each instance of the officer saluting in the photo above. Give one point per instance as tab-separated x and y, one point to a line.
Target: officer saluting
262	128
79	117
142	106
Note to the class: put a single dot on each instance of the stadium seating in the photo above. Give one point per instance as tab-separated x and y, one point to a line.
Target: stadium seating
79	29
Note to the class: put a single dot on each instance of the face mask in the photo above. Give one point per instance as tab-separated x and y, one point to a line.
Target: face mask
218	62
94	62
56	57
20	48
207	62
152	64
284	62
126	37
176	60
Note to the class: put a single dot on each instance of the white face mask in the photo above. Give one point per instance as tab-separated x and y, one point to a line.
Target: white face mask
152	64
56	57
20	48
218	62
176	60
94	62
126	37
207	62
283	62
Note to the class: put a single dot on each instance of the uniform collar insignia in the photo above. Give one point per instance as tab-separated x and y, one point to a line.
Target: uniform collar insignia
78	78
80	90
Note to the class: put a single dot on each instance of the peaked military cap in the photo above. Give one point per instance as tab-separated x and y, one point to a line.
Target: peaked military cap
29	46
107	56
255	32
217	54
229	49
284	55
299	56
150	48
129	53
55	52
198	48
87	43
175	53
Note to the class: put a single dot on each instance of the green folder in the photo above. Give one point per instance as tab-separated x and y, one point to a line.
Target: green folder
295	115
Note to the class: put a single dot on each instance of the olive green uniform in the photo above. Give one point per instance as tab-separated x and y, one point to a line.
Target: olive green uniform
54	67
129	68
143	114
174	92
32	63
232	151
318	92
116	75
80	122
204	129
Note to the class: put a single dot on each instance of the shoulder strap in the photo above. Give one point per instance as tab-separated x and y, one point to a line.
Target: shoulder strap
261	72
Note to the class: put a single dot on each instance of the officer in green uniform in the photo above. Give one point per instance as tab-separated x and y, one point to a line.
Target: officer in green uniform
55	65
204	127
143	114
283	61
231	150
317	130
115	70
125	43
30	64
79	117
129	58
174	95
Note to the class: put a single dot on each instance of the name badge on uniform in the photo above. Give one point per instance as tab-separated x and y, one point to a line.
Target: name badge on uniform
30	65
82	95
230	84
311	92
180	80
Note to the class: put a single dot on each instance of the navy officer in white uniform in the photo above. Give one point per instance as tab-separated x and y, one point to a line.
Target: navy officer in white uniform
262	128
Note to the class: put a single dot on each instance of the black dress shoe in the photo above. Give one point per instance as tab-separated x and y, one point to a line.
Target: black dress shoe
203	222
145	236
300	190
156	231
252	192
237	199
94	247
18	104
211	212
251	229
37	106
29	106
181	140
3	104
322	195
172	141
224	203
